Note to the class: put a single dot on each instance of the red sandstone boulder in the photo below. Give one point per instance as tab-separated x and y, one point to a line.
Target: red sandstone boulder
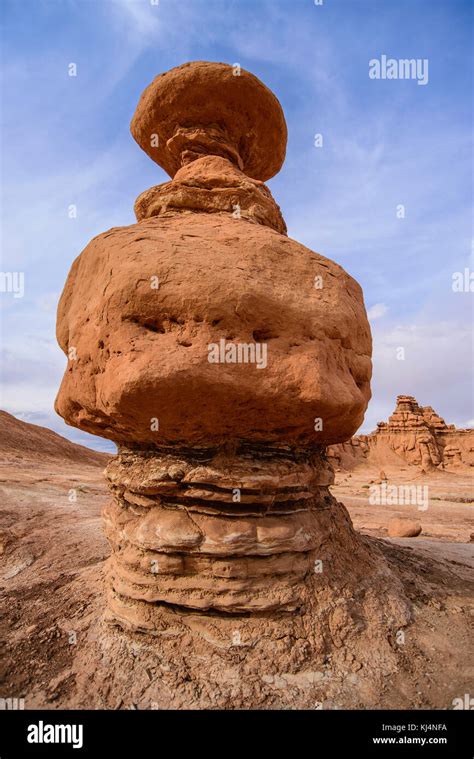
204	323
401	527
204	108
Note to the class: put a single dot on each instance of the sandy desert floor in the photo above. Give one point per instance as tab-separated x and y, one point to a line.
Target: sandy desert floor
53	552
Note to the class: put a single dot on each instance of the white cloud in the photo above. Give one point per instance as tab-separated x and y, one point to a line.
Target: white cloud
436	369
377	311
140	17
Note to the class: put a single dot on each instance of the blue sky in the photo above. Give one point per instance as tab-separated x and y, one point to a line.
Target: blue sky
65	140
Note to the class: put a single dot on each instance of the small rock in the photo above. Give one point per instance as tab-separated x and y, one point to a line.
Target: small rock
401	527
14	571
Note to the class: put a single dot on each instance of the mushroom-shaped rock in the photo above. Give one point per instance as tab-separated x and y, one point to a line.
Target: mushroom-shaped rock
203	108
221	356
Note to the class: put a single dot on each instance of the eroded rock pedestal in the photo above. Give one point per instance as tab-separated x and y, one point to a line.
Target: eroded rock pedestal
221	509
216	530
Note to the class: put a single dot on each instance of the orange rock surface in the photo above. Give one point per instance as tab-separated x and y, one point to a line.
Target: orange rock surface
415	435
403	528
204	108
221	356
143	353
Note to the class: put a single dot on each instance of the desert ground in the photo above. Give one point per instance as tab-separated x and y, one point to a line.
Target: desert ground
60	653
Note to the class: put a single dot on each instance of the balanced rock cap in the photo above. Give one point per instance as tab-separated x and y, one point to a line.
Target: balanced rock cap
190	105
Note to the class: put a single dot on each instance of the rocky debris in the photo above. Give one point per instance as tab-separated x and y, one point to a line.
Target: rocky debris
212	660
402	527
416	434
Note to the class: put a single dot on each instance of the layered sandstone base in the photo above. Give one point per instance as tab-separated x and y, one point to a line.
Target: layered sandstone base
234	531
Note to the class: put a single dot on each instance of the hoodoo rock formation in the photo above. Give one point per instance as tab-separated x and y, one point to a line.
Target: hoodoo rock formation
221	504
416	434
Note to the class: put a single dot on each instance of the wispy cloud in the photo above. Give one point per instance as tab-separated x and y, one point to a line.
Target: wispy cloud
139	18
432	361
377	311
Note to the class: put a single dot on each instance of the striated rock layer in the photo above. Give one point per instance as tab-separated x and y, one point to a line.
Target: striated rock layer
416	434
215	530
